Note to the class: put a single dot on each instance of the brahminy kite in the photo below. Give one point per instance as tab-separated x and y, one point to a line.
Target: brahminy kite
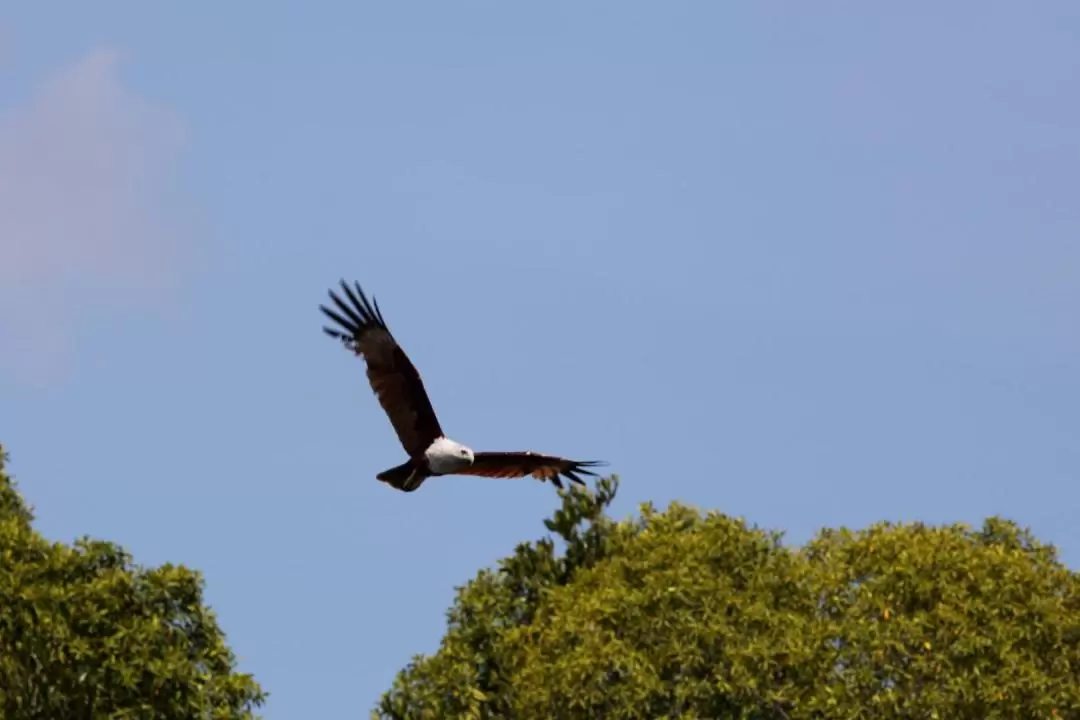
397	385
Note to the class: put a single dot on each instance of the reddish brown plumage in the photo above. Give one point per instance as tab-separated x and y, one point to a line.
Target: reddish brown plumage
391	374
520	464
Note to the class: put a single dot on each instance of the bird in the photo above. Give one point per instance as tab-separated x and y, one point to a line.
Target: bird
360	327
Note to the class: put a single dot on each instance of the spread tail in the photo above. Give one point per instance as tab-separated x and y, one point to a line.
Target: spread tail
405	477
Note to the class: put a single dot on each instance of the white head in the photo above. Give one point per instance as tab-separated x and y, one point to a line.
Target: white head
446	456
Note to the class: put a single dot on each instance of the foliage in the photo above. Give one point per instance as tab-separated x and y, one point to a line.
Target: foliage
85	634
678	615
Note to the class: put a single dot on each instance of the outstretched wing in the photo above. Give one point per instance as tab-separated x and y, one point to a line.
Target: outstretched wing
520	464
393	378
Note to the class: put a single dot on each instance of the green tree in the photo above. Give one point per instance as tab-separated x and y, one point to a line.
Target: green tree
677	615
86	634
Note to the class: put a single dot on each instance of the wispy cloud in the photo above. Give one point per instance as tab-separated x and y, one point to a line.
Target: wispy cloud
86	209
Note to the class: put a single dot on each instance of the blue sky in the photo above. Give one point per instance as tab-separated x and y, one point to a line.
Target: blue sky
810	266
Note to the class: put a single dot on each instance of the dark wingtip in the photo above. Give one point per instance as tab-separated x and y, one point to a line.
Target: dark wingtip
582	464
349	325
578	468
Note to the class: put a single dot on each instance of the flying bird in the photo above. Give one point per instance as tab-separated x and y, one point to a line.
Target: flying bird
400	391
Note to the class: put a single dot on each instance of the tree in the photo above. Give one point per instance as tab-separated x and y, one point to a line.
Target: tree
679	615
86	634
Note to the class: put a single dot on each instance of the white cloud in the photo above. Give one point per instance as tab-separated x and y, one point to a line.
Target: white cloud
86	212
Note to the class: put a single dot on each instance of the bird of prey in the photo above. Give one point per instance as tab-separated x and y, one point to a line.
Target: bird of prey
397	385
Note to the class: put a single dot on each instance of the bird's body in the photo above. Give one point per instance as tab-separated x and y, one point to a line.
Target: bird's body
402	395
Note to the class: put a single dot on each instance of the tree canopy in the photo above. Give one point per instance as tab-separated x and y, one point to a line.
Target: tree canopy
676	614
84	633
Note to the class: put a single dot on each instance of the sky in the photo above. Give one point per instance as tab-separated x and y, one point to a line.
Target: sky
811	265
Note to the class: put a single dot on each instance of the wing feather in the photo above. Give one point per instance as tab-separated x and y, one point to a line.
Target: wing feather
520	464
392	376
